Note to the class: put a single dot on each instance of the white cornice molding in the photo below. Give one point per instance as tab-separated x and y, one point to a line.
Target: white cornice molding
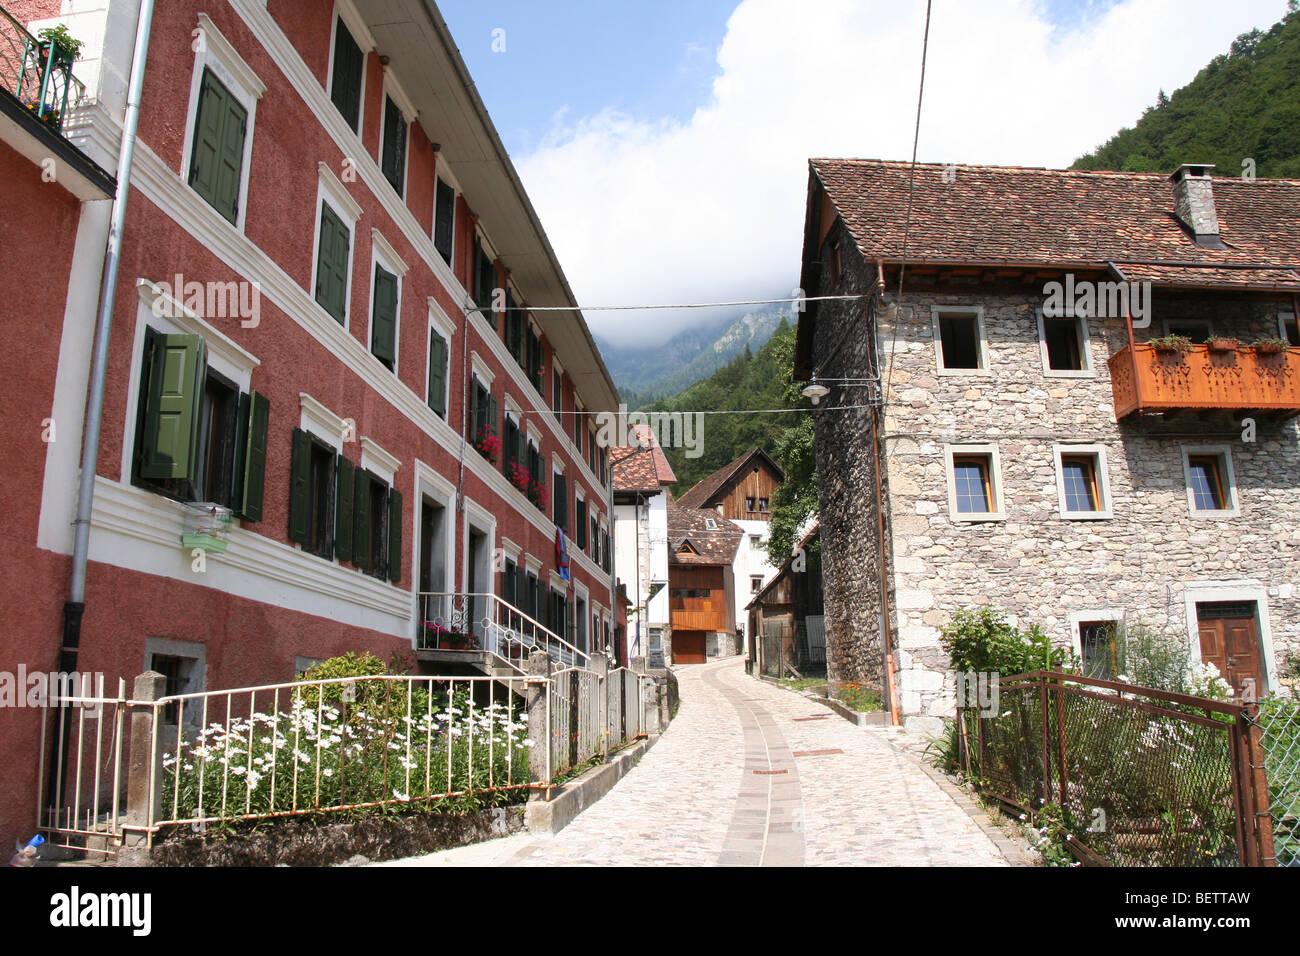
226	54
187	320
386	250
375	458
482	369
348	207
511	549
322	422
356	24
439	317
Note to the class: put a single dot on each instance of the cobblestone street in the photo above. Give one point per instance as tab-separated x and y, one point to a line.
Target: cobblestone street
753	775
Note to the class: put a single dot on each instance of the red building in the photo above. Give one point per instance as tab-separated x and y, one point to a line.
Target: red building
320	221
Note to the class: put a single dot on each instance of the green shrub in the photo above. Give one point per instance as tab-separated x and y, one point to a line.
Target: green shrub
982	641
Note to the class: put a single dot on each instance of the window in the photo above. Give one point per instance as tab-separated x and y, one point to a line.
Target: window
392	161
383	322
346	75
750	503
482	417
1289	329
974	486
217	155
960	335
444	219
197	437
183	664
755	583
1198	330
333	262
1097	648
557	392
1064	346
561	502
1081	483
605	558
485	277
338	509
595	536
516	326
438	351
513	450
1210	483
536	367
711	524
580	524
755	541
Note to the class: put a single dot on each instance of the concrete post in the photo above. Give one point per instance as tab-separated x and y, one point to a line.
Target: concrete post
650	704
143	781
638	665
600	664
539	724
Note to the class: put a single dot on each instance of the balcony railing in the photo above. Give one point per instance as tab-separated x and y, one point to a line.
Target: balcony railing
37	73
1144	379
484	622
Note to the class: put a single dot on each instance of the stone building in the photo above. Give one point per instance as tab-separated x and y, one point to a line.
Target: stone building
702	548
1044	448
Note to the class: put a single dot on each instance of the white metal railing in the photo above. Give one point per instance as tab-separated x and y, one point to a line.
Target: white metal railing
485	622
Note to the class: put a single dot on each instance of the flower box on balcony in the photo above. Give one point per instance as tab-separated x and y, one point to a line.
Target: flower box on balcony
1144	379
1223	345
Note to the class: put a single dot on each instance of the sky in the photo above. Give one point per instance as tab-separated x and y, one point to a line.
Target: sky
665	144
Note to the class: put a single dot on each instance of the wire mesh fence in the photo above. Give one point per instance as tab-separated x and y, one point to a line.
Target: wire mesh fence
1279	724
790	651
1134	776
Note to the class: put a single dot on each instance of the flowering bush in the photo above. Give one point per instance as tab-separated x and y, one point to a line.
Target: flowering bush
518	476
373	742
538	494
487	443
860	697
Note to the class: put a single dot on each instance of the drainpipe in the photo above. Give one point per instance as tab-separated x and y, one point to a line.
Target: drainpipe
76	603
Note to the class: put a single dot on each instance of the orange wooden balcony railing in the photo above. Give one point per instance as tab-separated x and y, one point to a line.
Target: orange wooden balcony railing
1144	379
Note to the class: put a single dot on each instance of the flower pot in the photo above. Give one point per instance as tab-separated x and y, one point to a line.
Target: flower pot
1270	348
1223	345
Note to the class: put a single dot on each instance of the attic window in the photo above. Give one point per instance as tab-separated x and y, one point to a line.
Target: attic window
710	524
686	548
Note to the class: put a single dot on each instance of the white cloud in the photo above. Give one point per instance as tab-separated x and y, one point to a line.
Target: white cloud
643	210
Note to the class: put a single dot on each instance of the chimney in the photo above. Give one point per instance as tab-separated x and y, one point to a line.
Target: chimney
1194	203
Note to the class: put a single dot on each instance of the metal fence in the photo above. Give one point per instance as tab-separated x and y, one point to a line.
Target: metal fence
1279	725
37	73
1139	777
358	743
485	622
790	650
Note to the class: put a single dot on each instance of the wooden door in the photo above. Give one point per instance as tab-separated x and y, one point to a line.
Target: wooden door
688	647
1229	641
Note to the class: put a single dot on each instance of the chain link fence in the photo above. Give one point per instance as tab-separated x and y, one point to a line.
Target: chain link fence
1279	724
1130	775
793	650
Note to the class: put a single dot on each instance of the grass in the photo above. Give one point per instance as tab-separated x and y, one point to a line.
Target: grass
801	684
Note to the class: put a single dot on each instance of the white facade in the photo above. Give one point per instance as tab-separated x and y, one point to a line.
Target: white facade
640	562
751	563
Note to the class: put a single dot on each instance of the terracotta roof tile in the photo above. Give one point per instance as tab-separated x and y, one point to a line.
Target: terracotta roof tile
642	467
716	545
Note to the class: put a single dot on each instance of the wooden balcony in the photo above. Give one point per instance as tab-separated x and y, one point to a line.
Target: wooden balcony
1147	380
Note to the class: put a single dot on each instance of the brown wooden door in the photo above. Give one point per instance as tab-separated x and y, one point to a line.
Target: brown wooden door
1229	642
688	647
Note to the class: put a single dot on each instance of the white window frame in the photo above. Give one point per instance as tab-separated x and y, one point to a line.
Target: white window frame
1098	455
346	13
976	311
1283	320
1113	615
238	77
442	170
1232	503
330	190
1085	348
990	451
382	253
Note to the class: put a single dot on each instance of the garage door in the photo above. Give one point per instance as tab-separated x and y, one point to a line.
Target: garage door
688	647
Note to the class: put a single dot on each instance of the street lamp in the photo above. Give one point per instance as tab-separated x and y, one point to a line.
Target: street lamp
815	391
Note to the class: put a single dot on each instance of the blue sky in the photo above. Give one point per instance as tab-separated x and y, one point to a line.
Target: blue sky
665	144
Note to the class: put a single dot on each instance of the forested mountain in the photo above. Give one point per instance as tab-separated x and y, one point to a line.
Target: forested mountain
1245	105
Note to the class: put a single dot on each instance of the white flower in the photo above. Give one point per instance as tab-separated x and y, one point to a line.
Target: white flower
400	796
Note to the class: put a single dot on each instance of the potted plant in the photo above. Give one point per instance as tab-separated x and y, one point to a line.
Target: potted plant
518	476
1222	343
66	47
1172	343
537	494
486	443
1270	345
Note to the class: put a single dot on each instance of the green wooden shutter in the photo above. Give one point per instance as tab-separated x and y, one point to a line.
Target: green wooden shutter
444	220
394	535
343	505
580	523
217	156
332	264
300	488
561	502
345	87
249	503
361	518
394	149
384	334
438	373
177	369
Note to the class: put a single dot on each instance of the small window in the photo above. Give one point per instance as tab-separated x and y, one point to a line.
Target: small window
561	502
749	503
755	541
595	537
1198	330
1289	329
762	506
580	523
974	492
755	583
1065	342
217	156
557	392
333	264
1205	483
960	340
346	76
1081	481
1098	649
710	524
393	154
444	220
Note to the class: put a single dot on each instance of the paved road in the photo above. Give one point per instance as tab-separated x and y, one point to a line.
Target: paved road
752	775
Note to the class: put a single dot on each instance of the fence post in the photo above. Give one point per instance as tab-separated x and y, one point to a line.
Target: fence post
1047	742
600	664
539	718
143	786
1258	819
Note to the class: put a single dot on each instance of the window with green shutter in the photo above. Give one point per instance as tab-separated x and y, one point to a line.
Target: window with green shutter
332	262
345	80
383	332
536	368
393	155
580	523
444	220
173	384
561	502
217	154
485	278
393	535
437	373
344	503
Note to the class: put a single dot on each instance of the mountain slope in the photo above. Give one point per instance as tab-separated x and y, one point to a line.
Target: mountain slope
1243	105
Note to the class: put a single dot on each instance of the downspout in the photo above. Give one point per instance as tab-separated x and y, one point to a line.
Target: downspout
884	577
76	603
466	388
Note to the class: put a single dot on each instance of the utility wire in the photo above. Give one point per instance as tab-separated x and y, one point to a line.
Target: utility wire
679	305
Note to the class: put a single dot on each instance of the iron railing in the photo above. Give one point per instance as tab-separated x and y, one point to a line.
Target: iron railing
1135	776
37	73
485	622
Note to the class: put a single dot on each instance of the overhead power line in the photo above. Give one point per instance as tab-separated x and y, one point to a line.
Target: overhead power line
679	305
